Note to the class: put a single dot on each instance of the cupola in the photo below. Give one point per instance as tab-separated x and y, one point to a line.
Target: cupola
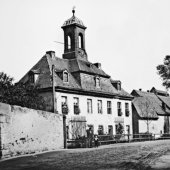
74	38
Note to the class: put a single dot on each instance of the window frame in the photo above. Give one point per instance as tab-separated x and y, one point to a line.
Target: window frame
119	108
89	106
65	79
99	107
102	130
76	105
109	107
127	109
97	81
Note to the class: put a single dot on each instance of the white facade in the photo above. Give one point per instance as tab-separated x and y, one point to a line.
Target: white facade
156	126
97	119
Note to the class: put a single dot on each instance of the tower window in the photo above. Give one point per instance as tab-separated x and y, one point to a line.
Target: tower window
80	40
69	41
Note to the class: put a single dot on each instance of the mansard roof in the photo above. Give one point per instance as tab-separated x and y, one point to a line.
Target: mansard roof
81	76
77	65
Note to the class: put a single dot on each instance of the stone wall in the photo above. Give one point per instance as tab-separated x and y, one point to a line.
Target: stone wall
24	131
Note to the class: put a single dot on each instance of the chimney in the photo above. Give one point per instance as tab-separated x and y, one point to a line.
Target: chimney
51	53
98	65
140	89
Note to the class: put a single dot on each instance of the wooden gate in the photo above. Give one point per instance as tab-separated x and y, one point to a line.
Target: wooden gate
76	127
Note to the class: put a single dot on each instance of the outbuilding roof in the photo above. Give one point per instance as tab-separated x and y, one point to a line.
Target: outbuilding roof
142	99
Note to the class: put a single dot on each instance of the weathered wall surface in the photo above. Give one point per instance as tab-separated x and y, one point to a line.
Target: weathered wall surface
24	131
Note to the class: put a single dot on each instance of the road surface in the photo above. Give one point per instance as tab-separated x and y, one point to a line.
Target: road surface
149	155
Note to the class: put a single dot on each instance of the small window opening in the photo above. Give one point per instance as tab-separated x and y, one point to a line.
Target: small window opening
80	40
69	41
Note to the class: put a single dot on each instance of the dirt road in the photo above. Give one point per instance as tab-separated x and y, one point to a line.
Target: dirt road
129	156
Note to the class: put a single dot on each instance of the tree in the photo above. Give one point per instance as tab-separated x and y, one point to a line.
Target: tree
164	71
6	83
148	111
25	95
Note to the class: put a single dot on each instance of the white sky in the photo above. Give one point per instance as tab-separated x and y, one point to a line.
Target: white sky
128	37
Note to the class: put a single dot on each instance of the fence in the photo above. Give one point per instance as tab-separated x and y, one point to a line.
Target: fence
111	139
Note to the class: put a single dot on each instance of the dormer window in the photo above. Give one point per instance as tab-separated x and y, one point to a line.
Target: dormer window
97	82
65	77
33	76
118	86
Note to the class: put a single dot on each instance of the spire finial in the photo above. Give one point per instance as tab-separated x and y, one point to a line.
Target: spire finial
73	11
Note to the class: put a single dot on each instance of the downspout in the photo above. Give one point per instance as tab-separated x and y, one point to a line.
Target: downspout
54	94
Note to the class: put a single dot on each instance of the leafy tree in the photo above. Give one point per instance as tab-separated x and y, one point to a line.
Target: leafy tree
25	95
5	86
148	111
164	71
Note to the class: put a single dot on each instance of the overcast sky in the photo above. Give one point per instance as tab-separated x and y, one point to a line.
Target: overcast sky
128	37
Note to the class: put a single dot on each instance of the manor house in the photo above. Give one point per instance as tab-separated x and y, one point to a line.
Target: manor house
79	89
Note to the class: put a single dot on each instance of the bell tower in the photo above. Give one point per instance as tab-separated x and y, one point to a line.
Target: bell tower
74	38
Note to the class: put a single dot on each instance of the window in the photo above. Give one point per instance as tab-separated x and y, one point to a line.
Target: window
100	130
69	41
80	40
109	107
64	100
33	77
89	105
65	77
119	108
97	82
76	106
118	86
110	130
127	109
64	106
99	106
90	126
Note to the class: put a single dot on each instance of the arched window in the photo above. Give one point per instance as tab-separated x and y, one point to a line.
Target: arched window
80	40
69	41
65	77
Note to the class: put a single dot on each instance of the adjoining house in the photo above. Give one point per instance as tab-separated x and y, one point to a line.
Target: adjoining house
87	95
152	107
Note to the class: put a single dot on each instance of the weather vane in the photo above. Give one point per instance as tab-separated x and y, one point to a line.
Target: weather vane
73	10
